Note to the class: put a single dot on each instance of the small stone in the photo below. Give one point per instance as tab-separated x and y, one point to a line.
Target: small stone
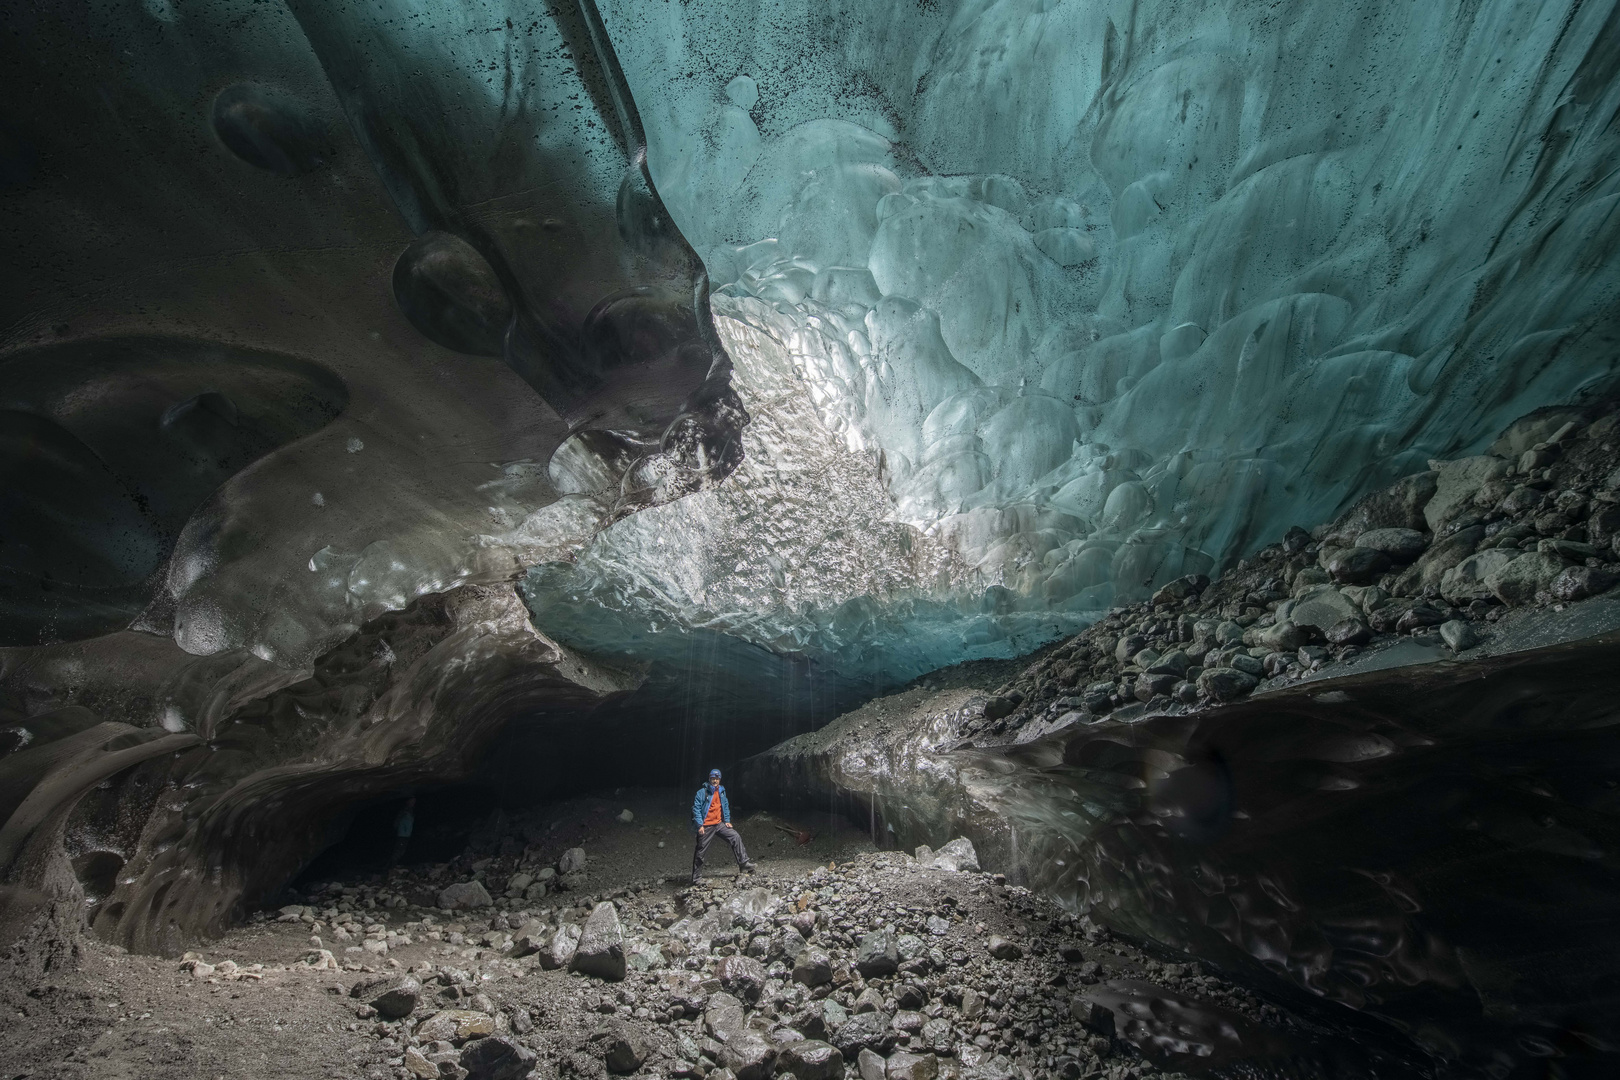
465	896
572	861
811	1059
724	1017
530	938
910	996
872	1066
869	1001
1097	1018
998	707
392	997
626	817
601	945
1002	949
497	1058
419	1066
1458	635
972	1004
627	1048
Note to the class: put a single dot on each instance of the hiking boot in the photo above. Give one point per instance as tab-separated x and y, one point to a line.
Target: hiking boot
747	868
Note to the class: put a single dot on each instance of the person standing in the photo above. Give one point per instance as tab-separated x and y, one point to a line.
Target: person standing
711	817
404	825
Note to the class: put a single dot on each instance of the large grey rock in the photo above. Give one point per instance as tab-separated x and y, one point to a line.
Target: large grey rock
1456	483
1002	949
1458	635
497	1058
1467	580
956	855
811	1060
559	951
627	1048
1354	566
1401	545
872	1066
572	861
749	1056
906	1066
1432	565
465	896
1520	580
868	1031
877	954
742	976
601	945
530	938
1579	582
392	996
1321	607
812	967
1226	684
1399	506
724	1017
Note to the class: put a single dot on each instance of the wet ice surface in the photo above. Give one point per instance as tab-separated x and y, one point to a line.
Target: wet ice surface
1193	273
1429	848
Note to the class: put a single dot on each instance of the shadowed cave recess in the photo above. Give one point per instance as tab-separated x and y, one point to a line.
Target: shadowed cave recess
1170	443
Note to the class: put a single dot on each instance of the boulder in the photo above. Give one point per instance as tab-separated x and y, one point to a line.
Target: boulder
1579	582
626	1049
1351	631
724	1017
877	955
742	976
1320	607
1519	581
1467	580
572	861
871	1066
1445	553
1355	565
865	1031
601	945
530	938
957	855
1226	684
392	997
559	951
1399	506
905	1066
811	1059
455	1026
1002	949
465	896
1456	482
1458	635
1401	545
1283	635
749	1056
812	967
497	1058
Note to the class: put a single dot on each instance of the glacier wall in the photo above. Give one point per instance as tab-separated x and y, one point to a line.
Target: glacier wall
1108	291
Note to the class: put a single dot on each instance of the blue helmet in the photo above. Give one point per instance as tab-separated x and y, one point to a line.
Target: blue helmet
714	774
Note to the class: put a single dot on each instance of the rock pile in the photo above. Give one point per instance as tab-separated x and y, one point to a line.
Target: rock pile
886	967
1441	555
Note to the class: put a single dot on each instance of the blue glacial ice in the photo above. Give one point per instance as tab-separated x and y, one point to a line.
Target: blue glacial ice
1038	304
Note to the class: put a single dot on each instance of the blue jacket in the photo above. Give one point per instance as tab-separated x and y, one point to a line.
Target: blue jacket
700	807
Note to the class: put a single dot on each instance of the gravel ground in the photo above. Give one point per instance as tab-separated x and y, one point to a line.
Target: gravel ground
882	964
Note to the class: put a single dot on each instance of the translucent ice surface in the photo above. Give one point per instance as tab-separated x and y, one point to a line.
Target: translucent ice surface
1105	292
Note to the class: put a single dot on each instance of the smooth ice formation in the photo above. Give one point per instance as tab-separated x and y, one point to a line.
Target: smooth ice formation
1106	293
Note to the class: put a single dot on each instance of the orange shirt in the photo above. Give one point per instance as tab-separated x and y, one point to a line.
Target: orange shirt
713	816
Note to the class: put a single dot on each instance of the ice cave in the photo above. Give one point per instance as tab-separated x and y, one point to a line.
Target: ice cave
1125	495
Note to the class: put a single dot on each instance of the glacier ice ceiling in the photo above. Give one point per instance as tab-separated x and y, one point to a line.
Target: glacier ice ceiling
375	374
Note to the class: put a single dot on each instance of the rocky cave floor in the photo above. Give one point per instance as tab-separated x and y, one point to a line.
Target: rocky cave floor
832	959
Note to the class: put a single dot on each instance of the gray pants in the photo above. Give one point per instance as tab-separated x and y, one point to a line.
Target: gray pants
706	836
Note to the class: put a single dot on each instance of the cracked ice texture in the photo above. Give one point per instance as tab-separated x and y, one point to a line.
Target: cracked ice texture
1114	291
